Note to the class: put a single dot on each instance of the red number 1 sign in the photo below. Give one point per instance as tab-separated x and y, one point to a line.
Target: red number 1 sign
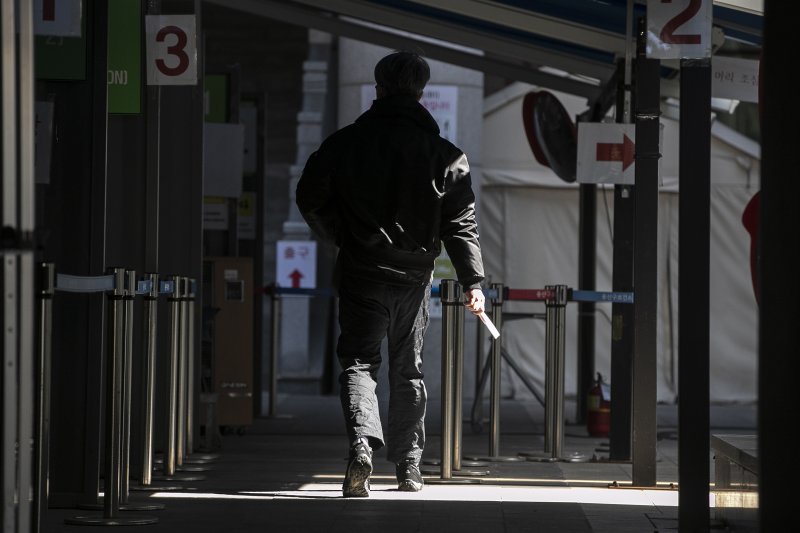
679	29
171	50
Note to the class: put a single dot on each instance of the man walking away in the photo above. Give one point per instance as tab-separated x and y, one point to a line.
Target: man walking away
388	191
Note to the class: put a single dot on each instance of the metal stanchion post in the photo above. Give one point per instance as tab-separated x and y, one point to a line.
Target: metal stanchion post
458	395
170	444
180	437
559	332
495	385
151	316
458	382
550	389
496	358
554	377
190	367
274	351
187	389
47	283
449	293
478	401
148	388
452	304
174	349
128	299
127	379
549	380
114	407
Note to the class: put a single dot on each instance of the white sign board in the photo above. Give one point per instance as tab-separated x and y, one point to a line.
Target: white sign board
679	29
296	264
171	42
734	78
606	153
57	17
441	101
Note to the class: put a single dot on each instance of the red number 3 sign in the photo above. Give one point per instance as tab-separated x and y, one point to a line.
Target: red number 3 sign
679	29
171	50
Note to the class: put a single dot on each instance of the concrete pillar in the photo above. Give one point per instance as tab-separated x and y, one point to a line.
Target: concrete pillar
297	363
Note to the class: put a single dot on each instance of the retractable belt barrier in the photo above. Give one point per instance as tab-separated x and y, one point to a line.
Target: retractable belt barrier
122	287
555	298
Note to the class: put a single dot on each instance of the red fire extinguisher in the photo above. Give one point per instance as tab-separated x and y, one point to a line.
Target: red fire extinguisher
598	419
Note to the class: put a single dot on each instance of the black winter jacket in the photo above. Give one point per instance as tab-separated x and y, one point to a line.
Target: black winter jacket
388	190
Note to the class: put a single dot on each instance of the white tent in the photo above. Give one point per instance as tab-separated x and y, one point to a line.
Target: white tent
529	233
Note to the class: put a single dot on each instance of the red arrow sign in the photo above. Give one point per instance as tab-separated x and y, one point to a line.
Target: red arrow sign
617	152
296	276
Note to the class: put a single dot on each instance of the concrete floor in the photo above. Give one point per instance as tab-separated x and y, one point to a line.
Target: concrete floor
284	474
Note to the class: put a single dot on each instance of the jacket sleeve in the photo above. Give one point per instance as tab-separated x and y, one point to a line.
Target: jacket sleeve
315	195
459	229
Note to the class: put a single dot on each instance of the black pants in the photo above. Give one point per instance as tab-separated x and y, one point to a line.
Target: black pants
368	312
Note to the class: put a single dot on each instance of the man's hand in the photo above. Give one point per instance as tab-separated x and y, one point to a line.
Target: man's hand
475	301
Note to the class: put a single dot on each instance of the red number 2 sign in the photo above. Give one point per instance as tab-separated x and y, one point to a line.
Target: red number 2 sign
171	50
679	28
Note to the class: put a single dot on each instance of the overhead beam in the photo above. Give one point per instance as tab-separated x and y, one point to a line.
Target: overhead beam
535	23
293	14
474	38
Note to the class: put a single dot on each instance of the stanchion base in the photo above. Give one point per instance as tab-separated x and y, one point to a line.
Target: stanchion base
541	459
205	456
193	460
196	461
501	459
472	461
155	488
463	472
124	506
115	521
178	477
190	468
535	453
452	481
574	457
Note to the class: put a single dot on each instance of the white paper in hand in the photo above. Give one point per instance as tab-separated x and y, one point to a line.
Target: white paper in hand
489	325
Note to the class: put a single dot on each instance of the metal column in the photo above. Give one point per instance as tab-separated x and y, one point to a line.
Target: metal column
149	372
647	111
694	238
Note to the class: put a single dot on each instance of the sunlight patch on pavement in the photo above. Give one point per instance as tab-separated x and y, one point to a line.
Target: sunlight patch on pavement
465	493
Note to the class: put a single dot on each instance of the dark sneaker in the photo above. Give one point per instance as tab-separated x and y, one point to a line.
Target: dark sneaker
409	478
359	468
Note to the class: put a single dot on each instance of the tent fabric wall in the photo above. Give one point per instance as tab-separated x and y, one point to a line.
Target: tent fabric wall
529	234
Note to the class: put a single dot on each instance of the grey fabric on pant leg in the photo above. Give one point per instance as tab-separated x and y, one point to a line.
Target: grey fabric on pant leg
408	398
363	320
